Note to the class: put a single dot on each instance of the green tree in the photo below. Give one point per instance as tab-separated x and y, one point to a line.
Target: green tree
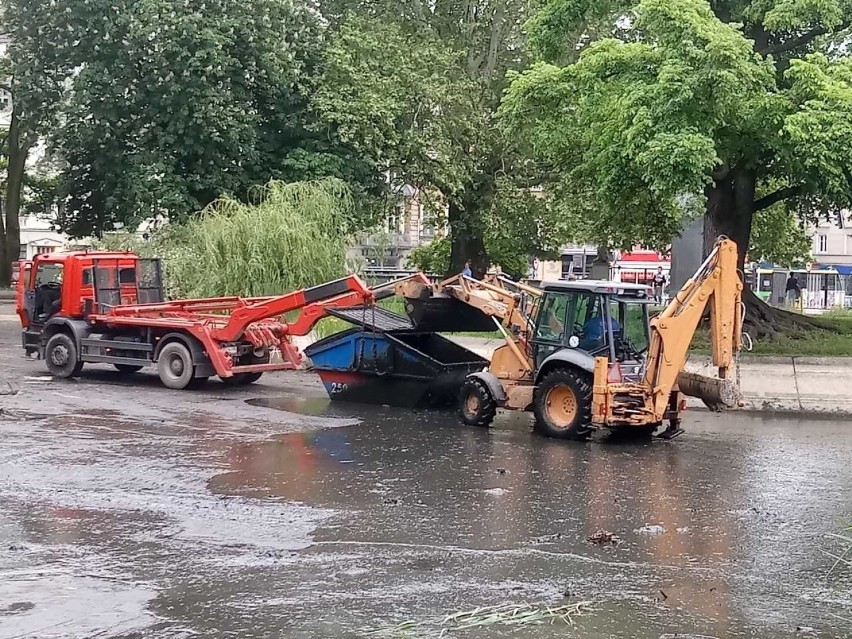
648	108
779	237
415	86
178	102
33	73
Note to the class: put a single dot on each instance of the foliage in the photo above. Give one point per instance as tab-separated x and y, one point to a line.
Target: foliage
33	72
415	88
290	236
779	237
641	105
177	103
433	257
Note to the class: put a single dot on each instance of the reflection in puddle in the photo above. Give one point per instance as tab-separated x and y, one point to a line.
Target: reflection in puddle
692	538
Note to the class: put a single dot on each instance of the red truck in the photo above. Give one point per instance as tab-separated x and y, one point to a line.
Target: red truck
110	308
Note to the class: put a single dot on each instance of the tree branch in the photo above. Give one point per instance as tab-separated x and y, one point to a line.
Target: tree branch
773	198
802	40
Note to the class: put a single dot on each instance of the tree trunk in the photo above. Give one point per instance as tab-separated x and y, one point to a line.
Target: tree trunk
467	240
5	272
17	152
729	213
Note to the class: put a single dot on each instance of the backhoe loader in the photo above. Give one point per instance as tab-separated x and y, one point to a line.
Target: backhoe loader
584	354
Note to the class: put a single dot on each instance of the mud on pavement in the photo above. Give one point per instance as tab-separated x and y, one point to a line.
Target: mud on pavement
127	510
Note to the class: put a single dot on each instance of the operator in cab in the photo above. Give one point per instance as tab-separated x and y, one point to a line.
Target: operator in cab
594	330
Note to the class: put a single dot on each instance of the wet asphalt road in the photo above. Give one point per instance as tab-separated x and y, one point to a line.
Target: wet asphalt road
127	510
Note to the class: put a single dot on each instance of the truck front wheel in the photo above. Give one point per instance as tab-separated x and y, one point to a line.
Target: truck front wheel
175	367
61	356
563	404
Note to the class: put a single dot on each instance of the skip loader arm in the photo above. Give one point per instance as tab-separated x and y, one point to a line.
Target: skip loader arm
360	296
345	291
717	283
313	302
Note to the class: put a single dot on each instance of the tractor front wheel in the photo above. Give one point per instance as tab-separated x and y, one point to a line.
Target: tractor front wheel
476	403
563	404
175	367
61	356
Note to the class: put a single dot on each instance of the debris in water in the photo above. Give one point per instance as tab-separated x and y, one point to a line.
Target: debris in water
496	491
501	471
392	501
8	388
650	529
508	614
665	596
602	537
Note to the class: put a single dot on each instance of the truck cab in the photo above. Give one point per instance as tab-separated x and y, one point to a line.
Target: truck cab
60	290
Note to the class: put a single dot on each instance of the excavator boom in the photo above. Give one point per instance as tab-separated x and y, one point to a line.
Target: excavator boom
716	284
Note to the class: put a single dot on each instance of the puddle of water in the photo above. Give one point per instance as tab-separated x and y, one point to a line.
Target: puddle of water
703	530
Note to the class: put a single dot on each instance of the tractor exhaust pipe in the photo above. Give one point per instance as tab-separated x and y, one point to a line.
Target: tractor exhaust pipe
717	394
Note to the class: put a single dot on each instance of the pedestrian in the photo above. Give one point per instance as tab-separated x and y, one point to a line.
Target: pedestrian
792	290
659	284
467	272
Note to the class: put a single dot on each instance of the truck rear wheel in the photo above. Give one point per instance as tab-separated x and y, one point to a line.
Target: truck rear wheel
563	404
175	367
61	356
476	403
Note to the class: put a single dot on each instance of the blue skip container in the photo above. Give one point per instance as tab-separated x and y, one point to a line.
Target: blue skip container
397	368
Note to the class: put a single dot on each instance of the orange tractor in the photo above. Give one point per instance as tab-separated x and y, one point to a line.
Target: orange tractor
585	354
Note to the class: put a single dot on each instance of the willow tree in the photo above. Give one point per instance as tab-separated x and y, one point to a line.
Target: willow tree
649	109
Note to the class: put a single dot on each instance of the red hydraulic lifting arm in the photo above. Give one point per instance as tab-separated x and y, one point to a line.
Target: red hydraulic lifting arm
347	291
315	312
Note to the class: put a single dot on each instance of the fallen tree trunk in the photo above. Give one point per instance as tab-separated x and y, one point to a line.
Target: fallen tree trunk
717	394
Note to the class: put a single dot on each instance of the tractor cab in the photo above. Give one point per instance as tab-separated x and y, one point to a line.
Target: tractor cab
57	288
598	318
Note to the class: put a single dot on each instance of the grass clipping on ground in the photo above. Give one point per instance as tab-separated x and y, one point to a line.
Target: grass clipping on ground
843	559
506	614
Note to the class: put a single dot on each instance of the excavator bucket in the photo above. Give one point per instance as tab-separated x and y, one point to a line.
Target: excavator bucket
438	313
717	394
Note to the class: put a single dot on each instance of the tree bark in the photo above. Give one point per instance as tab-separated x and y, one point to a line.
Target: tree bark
18	149
730	212
468	242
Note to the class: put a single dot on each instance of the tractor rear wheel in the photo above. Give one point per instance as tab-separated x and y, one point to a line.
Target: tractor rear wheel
127	369
476	403
175	367
61	356
563	404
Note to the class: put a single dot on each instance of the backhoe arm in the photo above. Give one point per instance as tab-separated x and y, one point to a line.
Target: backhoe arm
717	283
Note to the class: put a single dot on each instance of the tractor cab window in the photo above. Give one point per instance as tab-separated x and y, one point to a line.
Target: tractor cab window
550	326
48	290
630	327
591	325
